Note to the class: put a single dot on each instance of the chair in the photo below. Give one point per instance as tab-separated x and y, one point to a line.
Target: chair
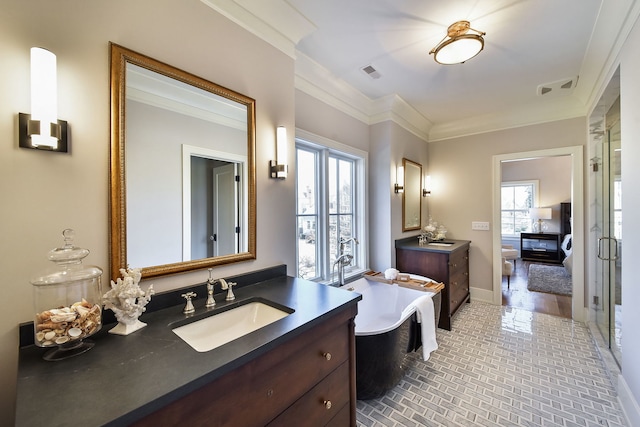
507	270
509	253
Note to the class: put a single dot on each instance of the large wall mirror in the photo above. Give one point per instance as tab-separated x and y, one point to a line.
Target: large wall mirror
182	169
412	196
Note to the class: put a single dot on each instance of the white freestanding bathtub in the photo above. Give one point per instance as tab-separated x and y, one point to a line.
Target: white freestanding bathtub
386	330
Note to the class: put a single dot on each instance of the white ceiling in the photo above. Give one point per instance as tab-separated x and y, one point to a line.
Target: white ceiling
528	43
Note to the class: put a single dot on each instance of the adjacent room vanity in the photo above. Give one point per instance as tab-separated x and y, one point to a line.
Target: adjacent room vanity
300	367
446	262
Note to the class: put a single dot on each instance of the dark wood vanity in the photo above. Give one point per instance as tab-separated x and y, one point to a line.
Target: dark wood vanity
306	378
447	264
301	367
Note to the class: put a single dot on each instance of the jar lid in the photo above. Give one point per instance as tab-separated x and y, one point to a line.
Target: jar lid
68	260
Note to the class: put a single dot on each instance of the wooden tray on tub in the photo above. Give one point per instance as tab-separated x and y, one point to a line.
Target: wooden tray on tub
421	285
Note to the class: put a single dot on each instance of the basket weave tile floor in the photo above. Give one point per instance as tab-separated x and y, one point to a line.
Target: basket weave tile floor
502	366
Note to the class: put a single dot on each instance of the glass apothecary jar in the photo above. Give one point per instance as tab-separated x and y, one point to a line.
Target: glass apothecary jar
67	302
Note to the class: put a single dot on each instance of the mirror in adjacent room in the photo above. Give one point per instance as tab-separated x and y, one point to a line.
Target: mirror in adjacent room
412	196
182	169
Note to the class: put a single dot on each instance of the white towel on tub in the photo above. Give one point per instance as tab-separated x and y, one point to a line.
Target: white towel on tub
426	318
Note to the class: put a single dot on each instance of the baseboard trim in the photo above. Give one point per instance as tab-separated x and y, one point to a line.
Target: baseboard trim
629	404
484	295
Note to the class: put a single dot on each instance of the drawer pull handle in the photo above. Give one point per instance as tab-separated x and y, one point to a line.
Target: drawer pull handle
327	356
327	404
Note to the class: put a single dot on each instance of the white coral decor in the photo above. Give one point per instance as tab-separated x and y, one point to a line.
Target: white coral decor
127	301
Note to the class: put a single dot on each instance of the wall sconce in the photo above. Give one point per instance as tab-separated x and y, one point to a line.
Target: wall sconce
41	129
279	166
399	185
426	190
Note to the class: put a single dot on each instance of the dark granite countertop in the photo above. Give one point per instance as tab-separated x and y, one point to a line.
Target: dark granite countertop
411	243
124	378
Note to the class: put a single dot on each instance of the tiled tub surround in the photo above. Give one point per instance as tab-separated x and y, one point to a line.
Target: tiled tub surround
126	378
502	366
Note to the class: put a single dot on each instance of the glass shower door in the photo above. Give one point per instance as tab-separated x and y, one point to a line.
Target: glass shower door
608	228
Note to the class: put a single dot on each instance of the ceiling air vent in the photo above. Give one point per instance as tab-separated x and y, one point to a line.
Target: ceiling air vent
372	72
560	87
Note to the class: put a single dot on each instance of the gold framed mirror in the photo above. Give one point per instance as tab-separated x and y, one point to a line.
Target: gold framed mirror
182	171
412	196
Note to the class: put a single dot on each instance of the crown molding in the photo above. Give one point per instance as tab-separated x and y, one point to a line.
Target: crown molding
282	26
275	22
525	115
318	82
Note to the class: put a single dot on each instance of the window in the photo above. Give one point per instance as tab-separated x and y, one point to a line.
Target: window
516	200
329	207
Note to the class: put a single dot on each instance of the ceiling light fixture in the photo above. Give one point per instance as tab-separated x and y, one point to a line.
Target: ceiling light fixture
459	45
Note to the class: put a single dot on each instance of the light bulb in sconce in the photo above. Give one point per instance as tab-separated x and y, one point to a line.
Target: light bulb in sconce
42	129
399	186
426	189
278	167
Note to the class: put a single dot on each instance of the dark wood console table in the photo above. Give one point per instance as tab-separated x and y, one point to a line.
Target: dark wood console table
543	247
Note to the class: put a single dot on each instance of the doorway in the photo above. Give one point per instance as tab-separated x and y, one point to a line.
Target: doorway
530	188
576	155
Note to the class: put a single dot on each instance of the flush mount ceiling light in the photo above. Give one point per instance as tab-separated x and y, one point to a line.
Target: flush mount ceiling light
459	45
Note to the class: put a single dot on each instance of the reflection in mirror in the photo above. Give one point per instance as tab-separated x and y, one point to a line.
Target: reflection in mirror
182	170
412	196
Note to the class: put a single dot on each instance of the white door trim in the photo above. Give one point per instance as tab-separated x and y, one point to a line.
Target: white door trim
577	214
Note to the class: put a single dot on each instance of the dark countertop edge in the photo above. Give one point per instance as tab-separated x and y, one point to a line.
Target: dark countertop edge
231	355
411	243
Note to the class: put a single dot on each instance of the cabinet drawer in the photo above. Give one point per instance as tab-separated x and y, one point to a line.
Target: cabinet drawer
457	294
258	391
458	262
321	404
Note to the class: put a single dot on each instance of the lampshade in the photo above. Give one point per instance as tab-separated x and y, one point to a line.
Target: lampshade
540	213
44	96
460	46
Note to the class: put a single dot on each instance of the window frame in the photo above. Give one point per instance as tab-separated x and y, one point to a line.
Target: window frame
325	149
534	201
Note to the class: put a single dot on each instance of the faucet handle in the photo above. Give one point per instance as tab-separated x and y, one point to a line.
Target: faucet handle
188	308
229	287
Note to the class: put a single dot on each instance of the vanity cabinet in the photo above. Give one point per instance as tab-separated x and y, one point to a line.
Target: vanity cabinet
311	377
447	264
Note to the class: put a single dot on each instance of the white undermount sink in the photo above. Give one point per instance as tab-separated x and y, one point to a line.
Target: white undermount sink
441	243
213	331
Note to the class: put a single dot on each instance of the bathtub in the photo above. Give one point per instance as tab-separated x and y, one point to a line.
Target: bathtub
386	332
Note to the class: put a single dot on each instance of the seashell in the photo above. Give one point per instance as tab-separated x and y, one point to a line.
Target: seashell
47	343
47	325
63	315
59	331
88	325
40	336
85	303
49	335
45	315
82	311
62	340
74	332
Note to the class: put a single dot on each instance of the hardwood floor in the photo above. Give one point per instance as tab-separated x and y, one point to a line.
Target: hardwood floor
517	295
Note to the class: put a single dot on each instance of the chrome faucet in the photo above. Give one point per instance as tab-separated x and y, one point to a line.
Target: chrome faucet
228	287
188	308
343	259
210	282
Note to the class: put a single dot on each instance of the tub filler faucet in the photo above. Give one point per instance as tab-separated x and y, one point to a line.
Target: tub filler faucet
343	259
